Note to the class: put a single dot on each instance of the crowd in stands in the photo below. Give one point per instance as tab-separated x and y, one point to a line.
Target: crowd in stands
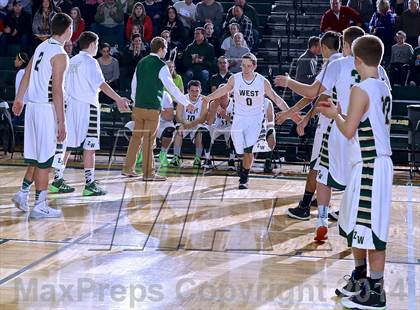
197	32
395	22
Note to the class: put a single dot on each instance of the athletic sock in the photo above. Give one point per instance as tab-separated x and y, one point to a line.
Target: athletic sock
360	268
232	155
163	150
89	175
307	198
207	155
59	173
177	150
26	185
269	155
322	215
198	151
40	196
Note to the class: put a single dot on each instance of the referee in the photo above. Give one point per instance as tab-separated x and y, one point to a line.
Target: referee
151	76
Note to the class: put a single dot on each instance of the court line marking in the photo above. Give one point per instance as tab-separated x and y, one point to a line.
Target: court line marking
411	270
48	256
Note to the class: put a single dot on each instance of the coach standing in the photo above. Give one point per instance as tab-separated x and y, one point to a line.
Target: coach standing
151	75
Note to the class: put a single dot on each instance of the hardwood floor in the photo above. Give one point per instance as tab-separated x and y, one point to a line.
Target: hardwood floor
188	243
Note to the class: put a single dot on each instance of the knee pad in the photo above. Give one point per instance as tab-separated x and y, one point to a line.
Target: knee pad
168	132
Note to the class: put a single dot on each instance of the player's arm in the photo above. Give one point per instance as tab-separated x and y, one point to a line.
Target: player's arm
168	82
167	114
59	65
305	90
201	119
122	103
280	102
179	116
359	103
23	86
219	92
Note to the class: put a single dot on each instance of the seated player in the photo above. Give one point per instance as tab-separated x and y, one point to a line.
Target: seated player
219	120
190	123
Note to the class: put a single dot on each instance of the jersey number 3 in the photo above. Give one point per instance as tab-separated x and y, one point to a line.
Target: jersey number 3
38	61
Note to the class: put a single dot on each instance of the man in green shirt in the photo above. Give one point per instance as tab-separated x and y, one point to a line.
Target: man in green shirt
151	76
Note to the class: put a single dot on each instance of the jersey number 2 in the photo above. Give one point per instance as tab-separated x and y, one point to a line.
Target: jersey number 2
38	61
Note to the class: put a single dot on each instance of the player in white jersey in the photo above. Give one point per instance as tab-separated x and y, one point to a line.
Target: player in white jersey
219	120
330	44
45	128
84	81
190	123
268	133
334	166
249	90
366	205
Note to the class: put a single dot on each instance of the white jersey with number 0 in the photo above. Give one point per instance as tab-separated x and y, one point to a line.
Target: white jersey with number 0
40	82
248	95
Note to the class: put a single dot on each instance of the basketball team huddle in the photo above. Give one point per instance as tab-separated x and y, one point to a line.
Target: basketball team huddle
351	148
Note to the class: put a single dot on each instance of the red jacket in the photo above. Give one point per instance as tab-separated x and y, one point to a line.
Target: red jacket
329	20
78	32
147	29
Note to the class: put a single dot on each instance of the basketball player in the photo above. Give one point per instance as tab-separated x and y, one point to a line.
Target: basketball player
249	89
219	119
190	123
84	81
366	205
330	45
334	166
45	127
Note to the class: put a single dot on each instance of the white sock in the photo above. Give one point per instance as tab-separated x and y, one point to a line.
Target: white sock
40	196
163	150
322	215
207	154
89	175
59	173
232	156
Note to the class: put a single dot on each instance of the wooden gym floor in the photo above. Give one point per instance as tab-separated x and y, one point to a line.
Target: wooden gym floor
188	243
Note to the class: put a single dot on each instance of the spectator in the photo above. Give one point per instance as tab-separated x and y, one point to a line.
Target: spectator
155	11
365	8
21	61
401	57
68	47
172	50
415	68
397	6
42	21
78	24
139	18
17	28
210	11
222	76
245	25
409	22
109	20
186	11
110	67
65	6
172	23
212	39
198	57
306	65
134	54
251	13
382	24
89	11
235	53
26	6
339	17
175	76
228	42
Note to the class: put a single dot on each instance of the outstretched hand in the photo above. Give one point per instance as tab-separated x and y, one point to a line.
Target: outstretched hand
123	104
328	109
281	80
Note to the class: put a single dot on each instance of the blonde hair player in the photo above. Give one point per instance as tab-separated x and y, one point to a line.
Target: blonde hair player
366	205
249	90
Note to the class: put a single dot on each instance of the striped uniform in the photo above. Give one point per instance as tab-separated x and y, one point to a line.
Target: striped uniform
83	82
222	126
248	111
166	103
334	165
322	124
366	205
190	116
40	136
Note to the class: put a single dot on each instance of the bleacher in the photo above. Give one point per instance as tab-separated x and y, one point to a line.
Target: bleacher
285	27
